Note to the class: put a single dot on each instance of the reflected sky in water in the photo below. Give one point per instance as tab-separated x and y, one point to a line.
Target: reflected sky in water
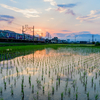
50	68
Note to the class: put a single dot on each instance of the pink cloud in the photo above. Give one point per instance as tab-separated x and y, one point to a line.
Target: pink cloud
60	9
69	11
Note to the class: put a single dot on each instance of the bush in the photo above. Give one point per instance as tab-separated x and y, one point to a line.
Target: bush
97	43
93	42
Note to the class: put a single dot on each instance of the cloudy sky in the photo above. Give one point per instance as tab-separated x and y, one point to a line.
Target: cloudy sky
62	18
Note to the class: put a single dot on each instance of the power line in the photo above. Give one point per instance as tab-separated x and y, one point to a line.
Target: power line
25	29
16	23
11	27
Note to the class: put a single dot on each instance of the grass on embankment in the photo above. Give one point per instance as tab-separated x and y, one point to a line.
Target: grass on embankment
28	47
2	44
81	45
42	46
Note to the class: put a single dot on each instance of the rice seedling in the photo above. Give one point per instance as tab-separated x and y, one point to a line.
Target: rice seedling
99	72
76	96
15	81
22	87
22	95
52	90
56	85
95	86
86	79
48	85
92	80
52	78
96	97
1	70
62	96
32	88
9	80
77	90
49	73
71	74
1	90
30	79
68	69
12	91
99	81
96	75
87	95
22	79
27	71
59	80
42	78
69	91
43	89
5	85
84	74
85	86
37	94
48	95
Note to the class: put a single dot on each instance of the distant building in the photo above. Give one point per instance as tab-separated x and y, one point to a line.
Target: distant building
77	41
54	40
47	41
83	42
64	41
59	41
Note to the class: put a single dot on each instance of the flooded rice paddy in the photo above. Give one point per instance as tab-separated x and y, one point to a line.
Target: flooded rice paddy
62	74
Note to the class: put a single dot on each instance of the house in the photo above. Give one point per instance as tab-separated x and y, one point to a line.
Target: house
83	42
54	40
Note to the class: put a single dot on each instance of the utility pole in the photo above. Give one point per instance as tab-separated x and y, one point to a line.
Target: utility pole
41	34
33	34
75	39
23	31
48	35
95	39
26	28
92	38
89	40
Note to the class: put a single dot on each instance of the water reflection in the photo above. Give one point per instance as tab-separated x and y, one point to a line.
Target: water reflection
49	73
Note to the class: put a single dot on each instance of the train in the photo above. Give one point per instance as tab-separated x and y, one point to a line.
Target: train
10	35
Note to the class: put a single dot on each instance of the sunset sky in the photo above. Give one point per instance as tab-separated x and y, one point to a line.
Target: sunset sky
62	18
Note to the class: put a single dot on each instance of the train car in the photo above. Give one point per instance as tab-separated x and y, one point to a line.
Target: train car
26	37
35	38
1	34
19	36
10	35
30	37
40	39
